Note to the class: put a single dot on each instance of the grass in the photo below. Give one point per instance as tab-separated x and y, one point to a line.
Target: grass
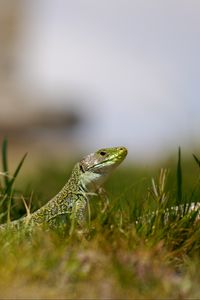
128	253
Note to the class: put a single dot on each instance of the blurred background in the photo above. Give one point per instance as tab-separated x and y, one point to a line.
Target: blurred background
78	75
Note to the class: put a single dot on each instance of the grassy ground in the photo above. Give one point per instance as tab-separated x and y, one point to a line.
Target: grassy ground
121	256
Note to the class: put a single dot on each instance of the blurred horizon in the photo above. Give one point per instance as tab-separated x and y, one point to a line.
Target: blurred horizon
82	75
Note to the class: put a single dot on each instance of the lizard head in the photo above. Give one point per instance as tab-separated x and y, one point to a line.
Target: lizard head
97	166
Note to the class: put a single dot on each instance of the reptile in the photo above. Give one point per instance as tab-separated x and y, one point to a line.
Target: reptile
86	179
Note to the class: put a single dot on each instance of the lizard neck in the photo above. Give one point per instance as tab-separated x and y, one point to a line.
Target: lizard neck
64	201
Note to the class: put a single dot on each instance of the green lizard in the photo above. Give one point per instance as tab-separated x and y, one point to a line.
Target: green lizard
86	179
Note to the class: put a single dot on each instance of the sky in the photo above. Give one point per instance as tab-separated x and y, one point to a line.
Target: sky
132	67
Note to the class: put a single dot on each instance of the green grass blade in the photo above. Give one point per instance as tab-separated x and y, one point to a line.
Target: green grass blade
179	178
197	160
11	182
5	163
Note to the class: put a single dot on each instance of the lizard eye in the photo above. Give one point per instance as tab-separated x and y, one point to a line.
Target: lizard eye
102	153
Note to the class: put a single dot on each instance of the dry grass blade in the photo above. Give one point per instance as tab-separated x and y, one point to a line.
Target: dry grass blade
158	190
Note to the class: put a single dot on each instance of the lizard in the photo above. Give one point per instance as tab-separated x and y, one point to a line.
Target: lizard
87	177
